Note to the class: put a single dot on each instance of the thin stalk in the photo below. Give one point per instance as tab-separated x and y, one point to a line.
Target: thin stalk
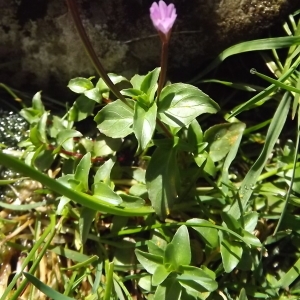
287	197
49	232
166	225
8	90
163	65
91	52
100	69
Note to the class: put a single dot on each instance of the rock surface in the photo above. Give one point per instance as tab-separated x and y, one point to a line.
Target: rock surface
39	46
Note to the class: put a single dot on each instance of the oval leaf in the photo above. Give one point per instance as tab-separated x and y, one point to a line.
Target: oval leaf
179	104
80	85
115	119
221	138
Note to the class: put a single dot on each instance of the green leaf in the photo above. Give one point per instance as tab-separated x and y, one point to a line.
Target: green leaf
243	295
115	119
148	261
250	239
250	221
195	136
104	145
231	222
181	242
132	93
81	109
37	103
221	138
83	199
83	170
290	276
209	235
170	261
231	156
87	216
144	124
265	94
42	126
105	193
170	289
131	201
103	172
157	247
197	279
231	252
162	179
94	94
149	84
159	275
136	81
180	104
254	45
101	85
273	133
80	85
52	294
65	138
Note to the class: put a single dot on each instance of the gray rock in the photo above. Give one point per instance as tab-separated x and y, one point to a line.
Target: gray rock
39	45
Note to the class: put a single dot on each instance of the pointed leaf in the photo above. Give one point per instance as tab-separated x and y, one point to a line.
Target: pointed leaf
149	84
115	119
65	138
156	249
170	289
83	170
209	235
105	193
231	252
221	138
144	124
231	223
179	104
162	179
136	81
273	133
87	216
159	275
52	294
103	173
197	279
37	103
181	242
81	109
243	295
148	261
94	94
170	262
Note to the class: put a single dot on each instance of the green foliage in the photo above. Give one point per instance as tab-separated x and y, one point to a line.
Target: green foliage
172	266
156	198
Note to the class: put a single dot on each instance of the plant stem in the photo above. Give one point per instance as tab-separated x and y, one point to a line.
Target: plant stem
163	65
100	69
91	52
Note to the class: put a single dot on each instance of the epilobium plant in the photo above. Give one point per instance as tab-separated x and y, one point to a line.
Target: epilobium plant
146	155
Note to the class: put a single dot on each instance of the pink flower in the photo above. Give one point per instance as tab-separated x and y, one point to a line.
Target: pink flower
163	16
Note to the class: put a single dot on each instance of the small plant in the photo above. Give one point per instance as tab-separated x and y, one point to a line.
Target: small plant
147	191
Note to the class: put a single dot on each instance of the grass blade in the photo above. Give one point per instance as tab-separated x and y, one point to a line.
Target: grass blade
273	133
256	45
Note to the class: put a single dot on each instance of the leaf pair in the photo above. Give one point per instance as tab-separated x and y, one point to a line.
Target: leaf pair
171	270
